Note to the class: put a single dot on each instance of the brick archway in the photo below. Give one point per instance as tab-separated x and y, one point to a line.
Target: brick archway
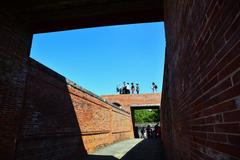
140	107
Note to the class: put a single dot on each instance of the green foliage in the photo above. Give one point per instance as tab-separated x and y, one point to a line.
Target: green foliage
145	115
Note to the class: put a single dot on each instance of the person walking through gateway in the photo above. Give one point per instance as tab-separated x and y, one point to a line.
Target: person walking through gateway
137	88
132	88
142	132
157	130
149	131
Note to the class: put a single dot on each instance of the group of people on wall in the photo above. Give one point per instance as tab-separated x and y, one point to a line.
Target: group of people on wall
127	89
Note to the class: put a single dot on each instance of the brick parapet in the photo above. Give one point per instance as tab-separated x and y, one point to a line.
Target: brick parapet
128	100
58	76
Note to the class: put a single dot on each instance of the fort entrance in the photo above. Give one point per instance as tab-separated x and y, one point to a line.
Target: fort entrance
141	123
136	102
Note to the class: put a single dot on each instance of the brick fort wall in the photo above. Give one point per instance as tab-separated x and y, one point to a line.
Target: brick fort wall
200	107
64	121
126	100
14	52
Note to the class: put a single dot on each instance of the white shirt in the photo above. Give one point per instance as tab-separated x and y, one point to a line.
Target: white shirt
128	86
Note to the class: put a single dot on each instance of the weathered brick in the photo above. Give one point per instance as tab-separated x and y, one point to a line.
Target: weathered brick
207	128
228	128
126	100
14	51
236	78
232	116
234	139
226	106
62	119
217	137
209	64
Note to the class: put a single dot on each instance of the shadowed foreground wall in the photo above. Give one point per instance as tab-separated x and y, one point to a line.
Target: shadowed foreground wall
14	51
201	95
64	121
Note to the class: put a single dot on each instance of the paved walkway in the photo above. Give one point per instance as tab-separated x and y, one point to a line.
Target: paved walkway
134	149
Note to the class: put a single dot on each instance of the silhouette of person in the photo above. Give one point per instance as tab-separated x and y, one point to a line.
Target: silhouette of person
137	88
156	130
132	88
142	132
149	131
128	88
154	87
118	90
124	90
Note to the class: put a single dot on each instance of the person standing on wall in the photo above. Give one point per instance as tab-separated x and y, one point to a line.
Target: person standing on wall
128	88
154	87
118	89
132	88
137	88
124	88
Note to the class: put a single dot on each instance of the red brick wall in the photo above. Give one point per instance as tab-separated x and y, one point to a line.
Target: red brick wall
64	121
14	50
201	94
126	100
121	124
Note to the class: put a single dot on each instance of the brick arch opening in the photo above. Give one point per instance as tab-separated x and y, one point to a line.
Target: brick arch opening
134	108
117	104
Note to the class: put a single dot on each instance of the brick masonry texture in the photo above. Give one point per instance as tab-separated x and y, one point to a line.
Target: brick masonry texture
64	121
127	100
14	50
44	116
200	106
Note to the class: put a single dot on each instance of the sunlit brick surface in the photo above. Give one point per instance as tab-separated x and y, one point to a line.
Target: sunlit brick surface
128	100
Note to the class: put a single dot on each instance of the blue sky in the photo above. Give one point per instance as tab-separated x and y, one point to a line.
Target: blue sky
100	58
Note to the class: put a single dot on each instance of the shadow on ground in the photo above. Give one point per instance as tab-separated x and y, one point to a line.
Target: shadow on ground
98	157
148	149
